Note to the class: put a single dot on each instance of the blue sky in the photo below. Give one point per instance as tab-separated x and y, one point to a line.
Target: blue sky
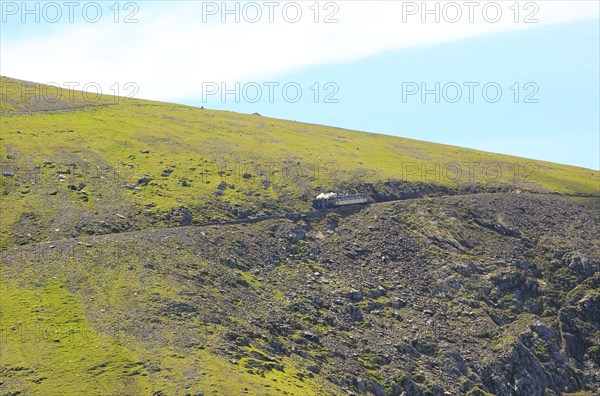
561	60
368	60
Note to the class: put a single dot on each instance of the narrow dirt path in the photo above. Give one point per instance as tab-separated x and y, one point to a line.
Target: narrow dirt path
258	219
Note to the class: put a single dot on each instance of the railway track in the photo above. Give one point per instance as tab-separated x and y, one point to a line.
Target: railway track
257	219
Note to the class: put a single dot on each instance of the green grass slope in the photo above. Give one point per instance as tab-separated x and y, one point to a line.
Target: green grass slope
215	164
210	310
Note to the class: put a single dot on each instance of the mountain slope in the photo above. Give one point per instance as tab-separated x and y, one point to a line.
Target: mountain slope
159	164
497	292
488	285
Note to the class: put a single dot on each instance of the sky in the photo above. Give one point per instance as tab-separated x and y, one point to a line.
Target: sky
515	77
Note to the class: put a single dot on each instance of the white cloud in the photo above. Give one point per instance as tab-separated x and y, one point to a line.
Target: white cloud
171	51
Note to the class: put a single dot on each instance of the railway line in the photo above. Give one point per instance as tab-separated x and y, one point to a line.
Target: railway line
295	216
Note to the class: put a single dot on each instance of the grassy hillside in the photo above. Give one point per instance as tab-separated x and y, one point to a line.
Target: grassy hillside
425	296
149	161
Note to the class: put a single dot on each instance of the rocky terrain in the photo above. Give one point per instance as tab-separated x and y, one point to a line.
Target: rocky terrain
493	293
151	248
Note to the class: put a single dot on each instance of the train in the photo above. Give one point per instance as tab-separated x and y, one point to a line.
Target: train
332	200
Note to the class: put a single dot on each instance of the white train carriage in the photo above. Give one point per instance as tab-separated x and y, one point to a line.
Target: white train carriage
331	200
